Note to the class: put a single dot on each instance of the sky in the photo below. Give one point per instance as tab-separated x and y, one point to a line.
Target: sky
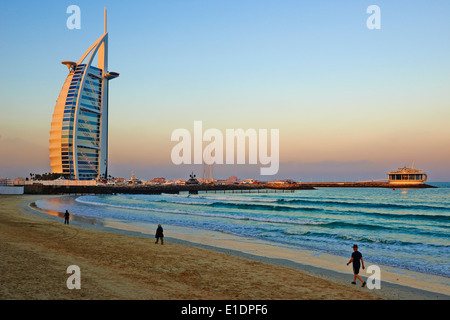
350	103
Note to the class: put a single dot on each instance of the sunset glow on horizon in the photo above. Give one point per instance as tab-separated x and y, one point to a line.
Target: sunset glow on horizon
350	103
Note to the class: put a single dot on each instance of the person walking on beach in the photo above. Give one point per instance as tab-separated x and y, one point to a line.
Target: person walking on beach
356	257
66	217
159	234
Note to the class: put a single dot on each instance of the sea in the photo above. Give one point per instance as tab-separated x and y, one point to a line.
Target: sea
404	228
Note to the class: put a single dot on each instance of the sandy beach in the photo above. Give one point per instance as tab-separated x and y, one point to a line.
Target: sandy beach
36	249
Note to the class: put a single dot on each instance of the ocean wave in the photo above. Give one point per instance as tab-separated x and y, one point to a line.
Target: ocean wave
137	208
203	214
289	204
327	201
365	204
324	236
183	202
418	216
231	203
243	198
178	200
341	224
271	207
253	203
239	205
262	206
283	207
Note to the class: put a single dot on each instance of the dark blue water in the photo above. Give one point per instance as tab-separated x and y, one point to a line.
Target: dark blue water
407	228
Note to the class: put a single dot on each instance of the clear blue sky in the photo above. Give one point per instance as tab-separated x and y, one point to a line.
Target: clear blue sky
349	102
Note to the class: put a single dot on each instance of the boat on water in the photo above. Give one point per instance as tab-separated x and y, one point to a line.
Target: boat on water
192	179
407	175
133	180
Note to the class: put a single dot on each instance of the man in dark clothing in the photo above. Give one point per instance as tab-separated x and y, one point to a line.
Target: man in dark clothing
356	257
66	217
159	234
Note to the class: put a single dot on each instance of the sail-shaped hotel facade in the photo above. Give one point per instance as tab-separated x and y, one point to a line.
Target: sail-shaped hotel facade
79	129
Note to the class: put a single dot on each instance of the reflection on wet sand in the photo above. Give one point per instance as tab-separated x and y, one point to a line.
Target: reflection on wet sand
78	218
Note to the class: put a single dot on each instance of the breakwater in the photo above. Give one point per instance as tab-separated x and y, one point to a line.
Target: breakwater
367	185
195	188
154	189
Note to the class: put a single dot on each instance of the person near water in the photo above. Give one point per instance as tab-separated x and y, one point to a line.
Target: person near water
66	217
159	234
357	262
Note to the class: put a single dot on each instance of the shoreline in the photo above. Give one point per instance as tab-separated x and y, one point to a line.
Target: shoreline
322	267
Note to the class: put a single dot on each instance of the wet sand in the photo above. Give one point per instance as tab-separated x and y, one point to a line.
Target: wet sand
37	248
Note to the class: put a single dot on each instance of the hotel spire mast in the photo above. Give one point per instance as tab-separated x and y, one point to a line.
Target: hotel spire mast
103	64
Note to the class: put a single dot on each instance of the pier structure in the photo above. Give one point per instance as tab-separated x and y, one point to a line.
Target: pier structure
215	188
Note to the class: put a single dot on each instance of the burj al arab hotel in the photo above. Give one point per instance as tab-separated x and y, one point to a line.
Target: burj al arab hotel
79	130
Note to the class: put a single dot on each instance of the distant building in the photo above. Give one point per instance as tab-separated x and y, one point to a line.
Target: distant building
192	179
79	129
407	175
180	181
133	180
120	181
156	181
232	179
